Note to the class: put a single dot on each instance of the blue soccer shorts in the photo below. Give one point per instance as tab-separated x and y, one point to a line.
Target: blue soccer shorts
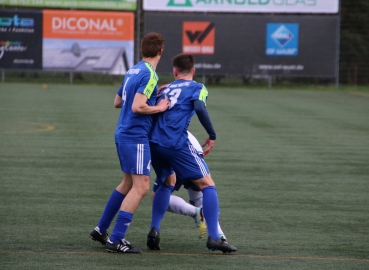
134	158
187	163
186	184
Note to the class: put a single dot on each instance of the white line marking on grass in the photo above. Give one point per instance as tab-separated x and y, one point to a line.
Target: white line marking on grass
360	94
35	127
278	257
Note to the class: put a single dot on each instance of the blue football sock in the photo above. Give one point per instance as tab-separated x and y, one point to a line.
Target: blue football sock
111	209
121	225
160	205
210	207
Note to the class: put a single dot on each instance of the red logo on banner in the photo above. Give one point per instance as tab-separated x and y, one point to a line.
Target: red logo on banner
102	25
198	37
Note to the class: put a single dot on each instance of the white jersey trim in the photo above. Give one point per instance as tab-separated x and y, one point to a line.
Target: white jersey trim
195	143
198	160
140	157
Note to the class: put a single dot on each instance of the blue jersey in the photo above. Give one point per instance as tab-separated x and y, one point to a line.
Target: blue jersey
170	128
133	127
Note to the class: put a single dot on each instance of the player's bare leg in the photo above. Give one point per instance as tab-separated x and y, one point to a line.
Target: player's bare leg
140	187
117	242
125	186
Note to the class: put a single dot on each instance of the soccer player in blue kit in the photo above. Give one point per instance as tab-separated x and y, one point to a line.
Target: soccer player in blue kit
193	209
137	96
172	151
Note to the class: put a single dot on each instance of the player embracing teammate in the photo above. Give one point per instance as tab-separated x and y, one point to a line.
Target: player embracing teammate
167	148
137	98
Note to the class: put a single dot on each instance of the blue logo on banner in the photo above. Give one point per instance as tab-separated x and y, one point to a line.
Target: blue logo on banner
16	21
282	39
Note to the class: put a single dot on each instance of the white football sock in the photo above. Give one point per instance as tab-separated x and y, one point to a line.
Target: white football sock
220	232
179	206
195	197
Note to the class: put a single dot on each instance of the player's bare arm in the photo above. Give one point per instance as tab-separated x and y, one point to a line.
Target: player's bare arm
140	106
118	101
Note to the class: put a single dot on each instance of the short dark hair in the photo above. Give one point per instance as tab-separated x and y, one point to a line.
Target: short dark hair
151	44
183	62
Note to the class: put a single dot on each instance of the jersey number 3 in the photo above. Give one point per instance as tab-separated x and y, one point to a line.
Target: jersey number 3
172	96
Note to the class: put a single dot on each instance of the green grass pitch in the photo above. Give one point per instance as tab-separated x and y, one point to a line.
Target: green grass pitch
291	168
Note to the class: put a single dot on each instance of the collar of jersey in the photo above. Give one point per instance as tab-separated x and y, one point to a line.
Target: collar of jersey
149	64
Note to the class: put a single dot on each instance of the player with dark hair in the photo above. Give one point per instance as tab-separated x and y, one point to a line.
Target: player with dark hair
179	206
172	151
137	98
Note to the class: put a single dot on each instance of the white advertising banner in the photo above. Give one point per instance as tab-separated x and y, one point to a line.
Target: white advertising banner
247	6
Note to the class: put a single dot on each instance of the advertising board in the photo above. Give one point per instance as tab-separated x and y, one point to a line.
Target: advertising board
77	4
243	6
20	39
88	41
249	44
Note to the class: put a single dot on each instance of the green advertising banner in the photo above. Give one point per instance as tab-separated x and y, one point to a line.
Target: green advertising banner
76	4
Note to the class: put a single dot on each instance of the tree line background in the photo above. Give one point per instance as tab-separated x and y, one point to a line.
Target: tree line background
354	45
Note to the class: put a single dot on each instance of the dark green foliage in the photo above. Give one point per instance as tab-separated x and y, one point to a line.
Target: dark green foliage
354	51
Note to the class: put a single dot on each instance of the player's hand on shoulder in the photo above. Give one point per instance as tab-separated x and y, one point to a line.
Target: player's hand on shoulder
161	88
163	104
210	144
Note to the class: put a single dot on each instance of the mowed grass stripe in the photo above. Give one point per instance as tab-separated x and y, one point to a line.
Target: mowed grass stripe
291	169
